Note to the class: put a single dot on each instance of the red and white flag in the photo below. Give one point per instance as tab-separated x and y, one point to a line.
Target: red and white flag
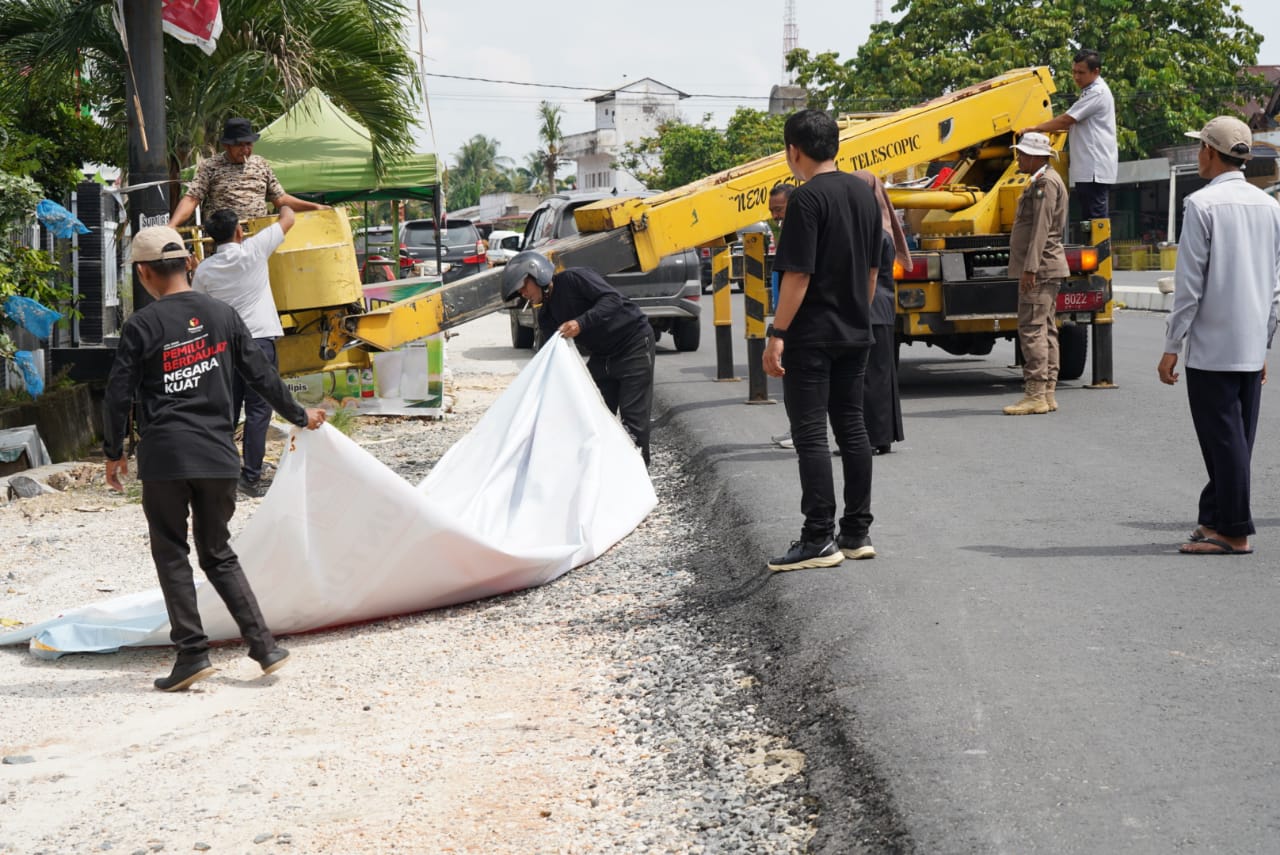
194	22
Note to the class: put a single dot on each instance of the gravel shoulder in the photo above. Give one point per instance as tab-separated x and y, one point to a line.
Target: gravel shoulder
595	714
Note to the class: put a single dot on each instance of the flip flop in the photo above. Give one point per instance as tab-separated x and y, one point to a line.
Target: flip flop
1196	536
1221	548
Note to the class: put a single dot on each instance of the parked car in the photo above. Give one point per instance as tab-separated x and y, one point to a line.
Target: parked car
462	249
373	255
503	245
668	295
736	275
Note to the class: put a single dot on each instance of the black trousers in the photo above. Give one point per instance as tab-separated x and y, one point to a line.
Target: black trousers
211	501
625	381
1092	197
1224	410
821	384
257	416
881	403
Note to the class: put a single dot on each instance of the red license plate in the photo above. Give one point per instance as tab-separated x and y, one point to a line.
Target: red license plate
1081	301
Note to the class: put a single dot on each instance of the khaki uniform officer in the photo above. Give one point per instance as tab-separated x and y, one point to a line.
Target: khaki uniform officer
1038	262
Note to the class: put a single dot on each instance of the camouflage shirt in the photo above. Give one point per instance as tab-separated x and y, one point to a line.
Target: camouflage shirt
243	187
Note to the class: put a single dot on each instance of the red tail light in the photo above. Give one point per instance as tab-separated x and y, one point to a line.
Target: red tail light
481	247
919	271
1082	259
924	268
475	259
705	252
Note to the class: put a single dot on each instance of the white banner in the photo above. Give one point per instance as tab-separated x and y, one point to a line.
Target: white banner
546	481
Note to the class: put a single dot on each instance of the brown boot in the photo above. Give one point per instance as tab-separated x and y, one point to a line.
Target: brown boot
1048	397
1032	403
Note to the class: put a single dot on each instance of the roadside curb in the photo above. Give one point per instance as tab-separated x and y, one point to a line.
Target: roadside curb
734	590
1142	297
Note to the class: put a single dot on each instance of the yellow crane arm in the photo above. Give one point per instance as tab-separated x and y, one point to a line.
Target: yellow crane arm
718	205
616	235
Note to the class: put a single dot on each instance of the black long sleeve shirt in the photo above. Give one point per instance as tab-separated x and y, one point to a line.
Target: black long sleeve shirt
178	356
610	322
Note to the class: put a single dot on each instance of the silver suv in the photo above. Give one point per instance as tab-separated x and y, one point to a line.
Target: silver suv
668	295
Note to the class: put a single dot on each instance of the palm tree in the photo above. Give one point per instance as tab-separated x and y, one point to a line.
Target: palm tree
478	169
532	178
269	55
552	138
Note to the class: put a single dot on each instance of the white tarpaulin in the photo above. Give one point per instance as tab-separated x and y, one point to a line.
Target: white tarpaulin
546	481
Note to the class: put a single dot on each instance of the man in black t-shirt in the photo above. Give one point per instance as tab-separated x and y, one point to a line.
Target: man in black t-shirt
828	253
177	357
581	305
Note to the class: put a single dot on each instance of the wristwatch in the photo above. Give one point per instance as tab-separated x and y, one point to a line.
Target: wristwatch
774	332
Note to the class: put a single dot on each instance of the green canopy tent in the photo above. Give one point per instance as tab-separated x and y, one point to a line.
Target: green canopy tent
320	153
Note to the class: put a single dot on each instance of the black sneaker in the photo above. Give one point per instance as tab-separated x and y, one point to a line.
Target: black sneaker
856	548
252	489
803	555
274	661
184	674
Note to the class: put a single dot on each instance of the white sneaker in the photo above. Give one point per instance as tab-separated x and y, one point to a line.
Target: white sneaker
783	440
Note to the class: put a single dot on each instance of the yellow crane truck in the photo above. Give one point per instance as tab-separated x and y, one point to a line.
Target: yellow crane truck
957	295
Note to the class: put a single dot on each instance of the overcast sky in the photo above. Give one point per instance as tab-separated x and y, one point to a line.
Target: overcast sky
723	54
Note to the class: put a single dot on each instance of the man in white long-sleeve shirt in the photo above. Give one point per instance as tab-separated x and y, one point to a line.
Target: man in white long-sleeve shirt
1226	293
236	274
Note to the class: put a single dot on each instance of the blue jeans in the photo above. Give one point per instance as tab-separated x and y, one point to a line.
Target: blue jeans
822	384
257	416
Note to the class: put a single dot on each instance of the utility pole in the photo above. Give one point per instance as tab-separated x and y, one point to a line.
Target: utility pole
148	142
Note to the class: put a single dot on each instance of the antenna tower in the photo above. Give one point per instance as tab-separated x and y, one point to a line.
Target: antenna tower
790	39
879	11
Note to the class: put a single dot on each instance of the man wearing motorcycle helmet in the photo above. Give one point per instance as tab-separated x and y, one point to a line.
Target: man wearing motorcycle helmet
579	304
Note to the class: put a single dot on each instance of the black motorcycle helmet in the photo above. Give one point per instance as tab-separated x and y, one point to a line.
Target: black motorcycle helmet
527	263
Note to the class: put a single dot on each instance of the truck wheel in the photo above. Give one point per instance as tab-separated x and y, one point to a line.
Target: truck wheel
1073	350
687	335
521	337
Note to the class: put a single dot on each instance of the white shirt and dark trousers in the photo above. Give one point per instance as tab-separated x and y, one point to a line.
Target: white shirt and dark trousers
1095	156
1226	293
236	274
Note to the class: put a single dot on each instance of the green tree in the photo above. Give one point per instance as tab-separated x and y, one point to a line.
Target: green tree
753	134
269	55
24	271
1171	64
551	137
50	140
530	177
478	169
681	152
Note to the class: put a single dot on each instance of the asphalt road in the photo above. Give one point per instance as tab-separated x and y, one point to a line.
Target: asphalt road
1029	665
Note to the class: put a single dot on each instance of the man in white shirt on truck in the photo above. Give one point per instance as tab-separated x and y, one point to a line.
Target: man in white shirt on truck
1226	294
1090	124
236	274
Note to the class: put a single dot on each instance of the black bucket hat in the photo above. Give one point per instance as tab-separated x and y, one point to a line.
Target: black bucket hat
238	131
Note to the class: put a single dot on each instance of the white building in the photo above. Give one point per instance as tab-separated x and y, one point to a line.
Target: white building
625	115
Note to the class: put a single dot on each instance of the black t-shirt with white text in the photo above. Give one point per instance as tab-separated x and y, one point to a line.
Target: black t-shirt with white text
178	357
832	231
